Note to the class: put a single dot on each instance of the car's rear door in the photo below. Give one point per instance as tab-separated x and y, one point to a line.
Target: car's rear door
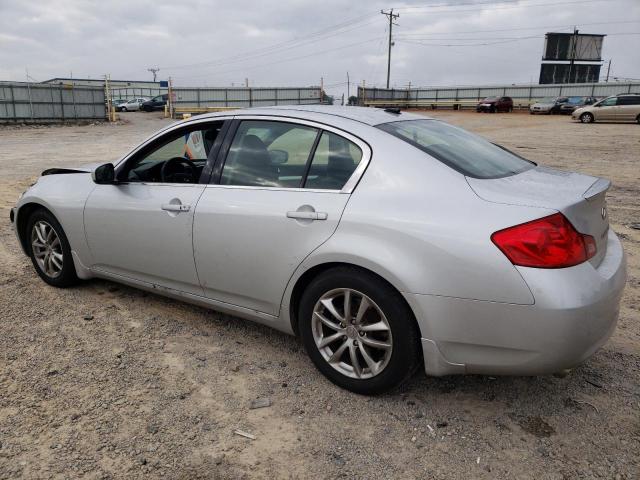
628	108
279	191
141	228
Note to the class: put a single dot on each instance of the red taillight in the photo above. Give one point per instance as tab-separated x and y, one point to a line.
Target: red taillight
549	242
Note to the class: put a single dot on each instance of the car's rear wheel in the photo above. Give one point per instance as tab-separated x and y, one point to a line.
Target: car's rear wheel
586	117
638	119
49	250
358	331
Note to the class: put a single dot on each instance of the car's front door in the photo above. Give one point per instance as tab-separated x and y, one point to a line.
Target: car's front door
606	110
279	195
141	227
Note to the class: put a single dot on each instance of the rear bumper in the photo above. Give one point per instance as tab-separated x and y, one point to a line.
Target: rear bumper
575	313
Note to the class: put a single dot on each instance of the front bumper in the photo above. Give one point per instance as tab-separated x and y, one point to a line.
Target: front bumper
574	314
539	109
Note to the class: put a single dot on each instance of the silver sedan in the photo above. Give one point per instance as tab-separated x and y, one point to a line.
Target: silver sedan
384	240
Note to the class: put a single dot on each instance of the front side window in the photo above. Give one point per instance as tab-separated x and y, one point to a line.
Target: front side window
465	152
608	102
179	157
269	154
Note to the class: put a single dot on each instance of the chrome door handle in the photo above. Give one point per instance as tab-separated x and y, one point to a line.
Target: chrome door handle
307	215
175	207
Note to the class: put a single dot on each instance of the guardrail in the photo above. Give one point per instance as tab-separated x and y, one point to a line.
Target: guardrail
186	112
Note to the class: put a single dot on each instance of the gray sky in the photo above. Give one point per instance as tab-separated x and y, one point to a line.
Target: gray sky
295	42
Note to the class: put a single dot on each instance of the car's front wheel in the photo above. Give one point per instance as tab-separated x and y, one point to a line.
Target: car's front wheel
586	117
358	331
49	250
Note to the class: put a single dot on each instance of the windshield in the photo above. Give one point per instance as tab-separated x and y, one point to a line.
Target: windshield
465	152
574	100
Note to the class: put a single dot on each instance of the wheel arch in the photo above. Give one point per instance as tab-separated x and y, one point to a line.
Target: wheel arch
22	219
312	272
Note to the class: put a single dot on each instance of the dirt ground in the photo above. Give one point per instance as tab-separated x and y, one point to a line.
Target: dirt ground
104	381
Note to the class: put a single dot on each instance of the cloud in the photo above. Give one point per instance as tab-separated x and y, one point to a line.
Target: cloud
290	43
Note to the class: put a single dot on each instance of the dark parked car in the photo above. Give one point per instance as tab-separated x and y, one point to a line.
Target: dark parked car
156	103
495	104
574	103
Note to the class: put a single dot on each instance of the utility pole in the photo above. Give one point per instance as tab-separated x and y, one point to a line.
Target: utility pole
392	16
348	85
608	71
321	90
246	82
573	52
154	71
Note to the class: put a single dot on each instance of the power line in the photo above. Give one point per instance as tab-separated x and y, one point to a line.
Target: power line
517	29
338	29
488	6
316	53
497	42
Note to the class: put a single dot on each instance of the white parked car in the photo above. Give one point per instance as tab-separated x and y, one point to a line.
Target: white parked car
385	240
131	105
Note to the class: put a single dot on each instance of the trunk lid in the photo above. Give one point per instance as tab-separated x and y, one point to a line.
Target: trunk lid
581	198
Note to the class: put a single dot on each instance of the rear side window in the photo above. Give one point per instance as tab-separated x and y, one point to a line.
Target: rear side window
289	155
465	152
334	162
269	154
630	100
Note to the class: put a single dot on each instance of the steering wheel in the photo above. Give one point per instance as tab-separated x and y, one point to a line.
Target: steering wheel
178	170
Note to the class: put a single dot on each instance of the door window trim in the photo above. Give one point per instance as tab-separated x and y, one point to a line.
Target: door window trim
347	188
192	125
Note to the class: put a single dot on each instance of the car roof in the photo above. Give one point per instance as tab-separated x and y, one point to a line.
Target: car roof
367	115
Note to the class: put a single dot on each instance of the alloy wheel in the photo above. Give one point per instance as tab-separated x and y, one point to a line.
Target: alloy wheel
47	249
352	333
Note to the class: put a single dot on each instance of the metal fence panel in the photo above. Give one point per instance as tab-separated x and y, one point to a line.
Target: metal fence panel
521	93
45	103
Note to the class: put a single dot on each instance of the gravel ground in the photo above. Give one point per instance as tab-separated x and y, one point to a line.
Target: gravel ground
104	381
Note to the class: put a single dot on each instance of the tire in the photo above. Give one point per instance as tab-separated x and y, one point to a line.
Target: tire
587	117
124	109
62	273
638	119
493	109
395	327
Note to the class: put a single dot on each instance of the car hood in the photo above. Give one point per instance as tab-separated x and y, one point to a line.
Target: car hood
487	101
543	104
88	168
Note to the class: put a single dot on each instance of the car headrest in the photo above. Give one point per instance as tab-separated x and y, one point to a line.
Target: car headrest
254	152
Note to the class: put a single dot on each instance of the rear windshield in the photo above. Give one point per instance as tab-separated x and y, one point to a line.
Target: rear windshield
465	152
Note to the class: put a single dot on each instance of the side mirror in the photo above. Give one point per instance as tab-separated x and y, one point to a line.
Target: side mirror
104	174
